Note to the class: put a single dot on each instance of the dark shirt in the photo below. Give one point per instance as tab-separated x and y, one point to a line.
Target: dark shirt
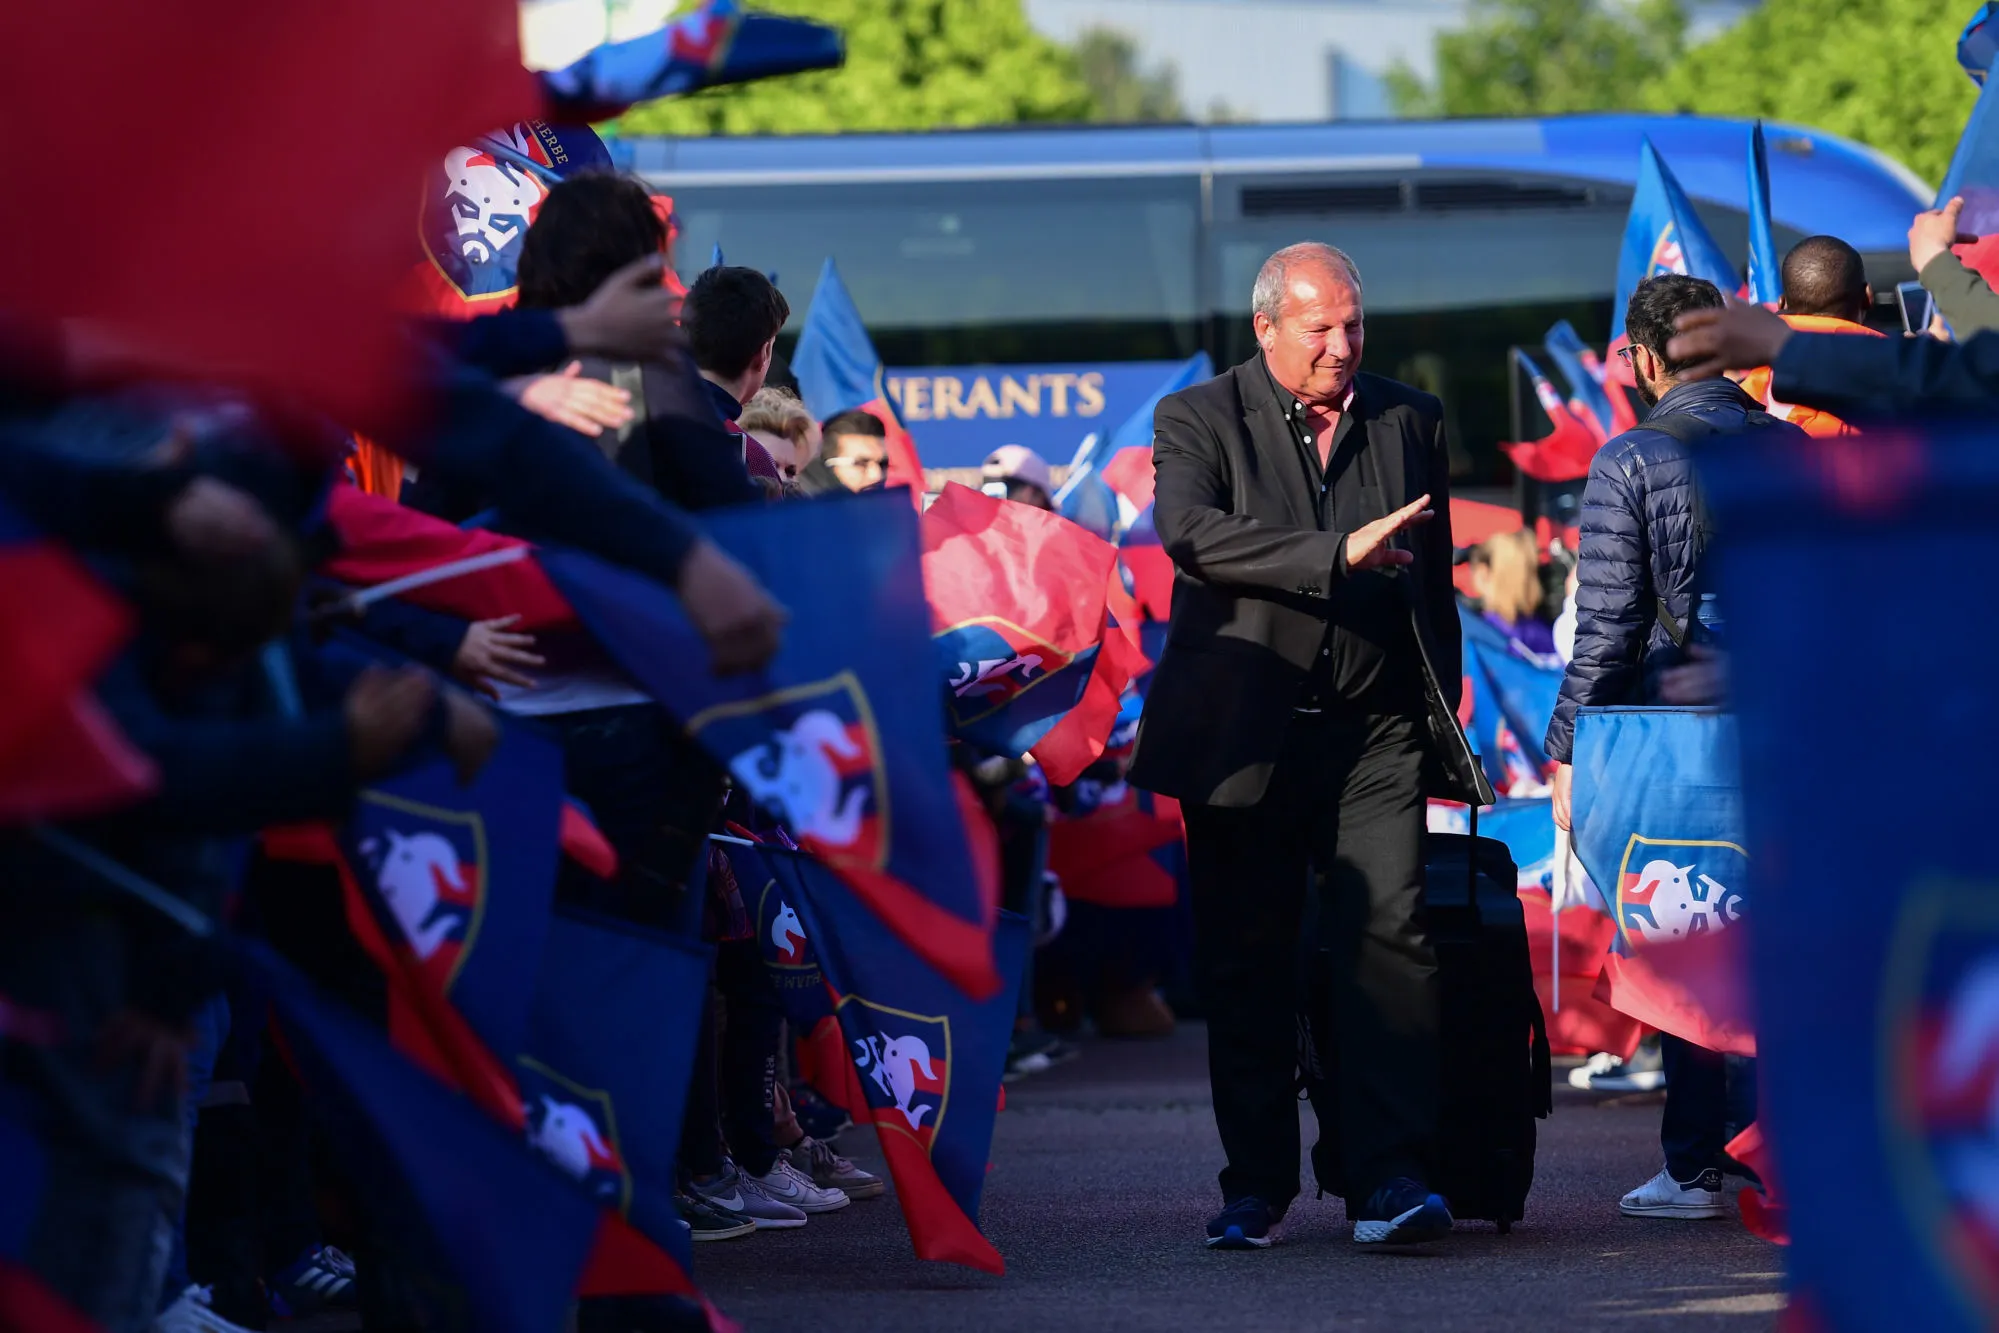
726	406
1367	662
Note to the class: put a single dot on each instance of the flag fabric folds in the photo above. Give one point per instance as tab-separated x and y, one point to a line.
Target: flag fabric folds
838	371
924	1062
841	737
1128	849
1766	280
460	879
478	1217
60	753
605	1067
1591	398
1658	824
1022	629
1663	234
714	44
479	200
1875	953
1564	453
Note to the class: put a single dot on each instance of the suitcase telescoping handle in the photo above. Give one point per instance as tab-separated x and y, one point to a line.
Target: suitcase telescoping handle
1471	864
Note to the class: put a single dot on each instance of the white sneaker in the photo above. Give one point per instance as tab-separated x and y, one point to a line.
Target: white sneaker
190	1314
1604	1072
787	1184
738	1192
1663	1196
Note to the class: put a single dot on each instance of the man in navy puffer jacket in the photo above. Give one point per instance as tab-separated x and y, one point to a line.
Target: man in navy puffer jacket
1638	604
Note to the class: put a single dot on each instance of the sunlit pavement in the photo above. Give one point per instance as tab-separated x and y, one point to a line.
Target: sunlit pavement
1104	1175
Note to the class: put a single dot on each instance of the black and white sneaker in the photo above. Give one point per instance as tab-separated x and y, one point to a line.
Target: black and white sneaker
1402	1212
1694	1200
1247	1224
1604	1072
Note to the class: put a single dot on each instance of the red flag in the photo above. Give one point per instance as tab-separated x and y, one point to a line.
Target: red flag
1583	1025
1764	1211
263	237
1110	856
1696	988
1130	474
382	540
1083	734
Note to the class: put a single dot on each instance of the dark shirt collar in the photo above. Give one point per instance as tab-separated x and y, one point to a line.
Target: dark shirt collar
722	400
1288	402
1702	393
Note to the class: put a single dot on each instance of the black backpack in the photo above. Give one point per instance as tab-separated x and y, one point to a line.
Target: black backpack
1496	1067
1685	427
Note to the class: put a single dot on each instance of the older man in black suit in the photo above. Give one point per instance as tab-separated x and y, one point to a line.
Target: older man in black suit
1304	706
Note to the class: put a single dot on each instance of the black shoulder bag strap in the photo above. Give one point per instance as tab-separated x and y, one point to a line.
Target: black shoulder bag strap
1685	427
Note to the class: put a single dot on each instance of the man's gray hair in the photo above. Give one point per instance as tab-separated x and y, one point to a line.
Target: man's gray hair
1267	297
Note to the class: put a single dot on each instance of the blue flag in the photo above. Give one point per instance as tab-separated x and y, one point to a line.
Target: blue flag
1658	824
1088	499
715	44
794	967
1568	351
927	1061
606	1065
841	738
1974	167
461	878
1875	944
1513	699
492	1235
1979	41
1665	235
835	362
25	1169
1766	279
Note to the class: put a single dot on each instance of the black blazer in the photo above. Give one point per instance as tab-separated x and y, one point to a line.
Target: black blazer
1235	509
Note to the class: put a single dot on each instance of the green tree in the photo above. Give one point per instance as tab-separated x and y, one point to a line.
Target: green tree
911	64
1884	72
1125	94
1540	57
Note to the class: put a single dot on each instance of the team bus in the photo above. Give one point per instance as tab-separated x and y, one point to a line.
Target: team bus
1009	278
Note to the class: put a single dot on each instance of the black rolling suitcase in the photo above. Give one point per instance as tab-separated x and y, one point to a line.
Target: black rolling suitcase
1496	1068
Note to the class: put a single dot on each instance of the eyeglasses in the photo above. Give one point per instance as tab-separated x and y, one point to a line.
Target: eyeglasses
1624	353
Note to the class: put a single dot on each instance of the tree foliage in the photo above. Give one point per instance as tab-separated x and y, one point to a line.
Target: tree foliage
1125	94
1540	57
911	64
1883	72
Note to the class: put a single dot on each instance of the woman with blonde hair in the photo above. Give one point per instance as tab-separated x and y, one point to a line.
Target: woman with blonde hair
781	424
1506	580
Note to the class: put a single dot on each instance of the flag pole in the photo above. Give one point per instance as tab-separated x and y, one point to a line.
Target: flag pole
1558	898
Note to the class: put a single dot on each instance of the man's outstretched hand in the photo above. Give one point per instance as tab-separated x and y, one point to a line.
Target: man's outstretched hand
741	622
1368	547
1934	231
1739	336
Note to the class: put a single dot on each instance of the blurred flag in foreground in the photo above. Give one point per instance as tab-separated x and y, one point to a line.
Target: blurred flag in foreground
1022	630
716	43
27	1305
1876	941
482	1223
925	1062
841	737
1663	234
1658	825
1766	280
60	753
270	248
838	371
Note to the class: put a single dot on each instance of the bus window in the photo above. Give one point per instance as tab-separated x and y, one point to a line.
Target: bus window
948	272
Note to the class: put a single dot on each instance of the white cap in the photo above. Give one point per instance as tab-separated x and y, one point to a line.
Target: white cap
1017	462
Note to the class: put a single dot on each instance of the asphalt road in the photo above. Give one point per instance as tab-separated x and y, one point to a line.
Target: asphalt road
1104	1175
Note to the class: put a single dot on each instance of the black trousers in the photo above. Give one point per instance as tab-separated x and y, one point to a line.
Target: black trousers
1710	1098
1344	817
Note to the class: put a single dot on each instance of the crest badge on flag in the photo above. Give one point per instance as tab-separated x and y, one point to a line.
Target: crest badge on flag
812	756
427	864
1668	889
904	1061
576	1128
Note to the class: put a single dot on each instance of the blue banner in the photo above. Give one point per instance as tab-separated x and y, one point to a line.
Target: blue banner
960	414
1663	234
1875	948
1513	698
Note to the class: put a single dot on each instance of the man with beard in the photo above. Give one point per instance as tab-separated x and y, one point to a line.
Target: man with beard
1645	612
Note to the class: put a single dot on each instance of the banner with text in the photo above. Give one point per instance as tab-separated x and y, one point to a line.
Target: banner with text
959	414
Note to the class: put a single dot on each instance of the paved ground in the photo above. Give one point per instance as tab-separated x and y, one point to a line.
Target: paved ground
1104	1175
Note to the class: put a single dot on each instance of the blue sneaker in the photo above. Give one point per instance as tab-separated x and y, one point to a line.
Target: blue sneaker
320	1278
1247	1224
1402	1212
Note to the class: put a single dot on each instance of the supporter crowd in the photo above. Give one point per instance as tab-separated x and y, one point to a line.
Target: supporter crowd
189	1184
